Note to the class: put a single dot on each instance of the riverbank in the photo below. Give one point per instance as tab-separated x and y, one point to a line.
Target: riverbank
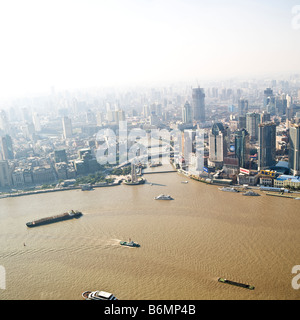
42	191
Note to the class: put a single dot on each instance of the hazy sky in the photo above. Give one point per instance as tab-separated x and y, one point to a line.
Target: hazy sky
82	43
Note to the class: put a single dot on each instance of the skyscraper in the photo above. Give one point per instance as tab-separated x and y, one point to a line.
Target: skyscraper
267	145
217	145
5	177
269	101
242	151
67	128
198	96
294	154
242	107
187	113
6	148
252	122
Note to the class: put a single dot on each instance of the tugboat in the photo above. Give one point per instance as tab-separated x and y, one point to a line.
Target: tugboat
238	284
163	197
130	243
98	295
65	216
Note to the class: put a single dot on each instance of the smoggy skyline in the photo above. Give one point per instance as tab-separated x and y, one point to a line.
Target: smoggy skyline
87	43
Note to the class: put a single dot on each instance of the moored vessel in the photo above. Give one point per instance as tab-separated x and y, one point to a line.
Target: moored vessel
251	194
98	295
228	189
48	220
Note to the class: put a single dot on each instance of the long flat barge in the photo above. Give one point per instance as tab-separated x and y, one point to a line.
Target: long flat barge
238	284
48	220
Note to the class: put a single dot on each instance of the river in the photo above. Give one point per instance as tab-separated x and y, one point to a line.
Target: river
186	243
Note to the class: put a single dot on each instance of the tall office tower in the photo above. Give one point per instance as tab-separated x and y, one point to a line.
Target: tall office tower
60	156
25	114
187	113
242	122
36	122
268	94
294	149
67	128
265	117
217	145
269	101
242	107
267	145
99	119
120	116
198	96
5	177
4	124
280	104
242	148
6	148
252	122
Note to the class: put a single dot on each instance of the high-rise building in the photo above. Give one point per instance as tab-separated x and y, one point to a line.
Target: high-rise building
242	150
67	128
242	107
268	94
267	145
217	145
4	124
265	117
269	101
198	96
6	148
252	122
36	122
60	156
294	149
5	177
187	113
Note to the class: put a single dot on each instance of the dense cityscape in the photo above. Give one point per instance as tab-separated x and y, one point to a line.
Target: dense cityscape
251	132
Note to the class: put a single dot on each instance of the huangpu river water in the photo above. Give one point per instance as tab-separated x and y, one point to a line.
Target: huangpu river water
186	244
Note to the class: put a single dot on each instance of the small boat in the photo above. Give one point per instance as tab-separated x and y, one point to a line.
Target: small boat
184	182
227	189
238	284
163	197
98	295
297	198
130	243
251	193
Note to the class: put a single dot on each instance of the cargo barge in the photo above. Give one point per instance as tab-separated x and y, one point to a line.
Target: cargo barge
238	284
65	216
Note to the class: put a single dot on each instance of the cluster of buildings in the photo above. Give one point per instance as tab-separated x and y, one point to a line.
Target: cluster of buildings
251	131
248	145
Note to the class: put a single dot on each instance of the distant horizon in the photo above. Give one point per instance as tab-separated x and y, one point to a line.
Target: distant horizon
76	44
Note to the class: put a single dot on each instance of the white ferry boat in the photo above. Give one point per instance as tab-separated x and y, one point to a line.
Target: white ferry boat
98	295
228	189
163	197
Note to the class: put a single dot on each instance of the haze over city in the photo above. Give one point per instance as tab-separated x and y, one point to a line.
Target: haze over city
172	124
75	44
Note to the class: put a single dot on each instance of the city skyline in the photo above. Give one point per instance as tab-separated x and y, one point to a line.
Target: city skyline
78	44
